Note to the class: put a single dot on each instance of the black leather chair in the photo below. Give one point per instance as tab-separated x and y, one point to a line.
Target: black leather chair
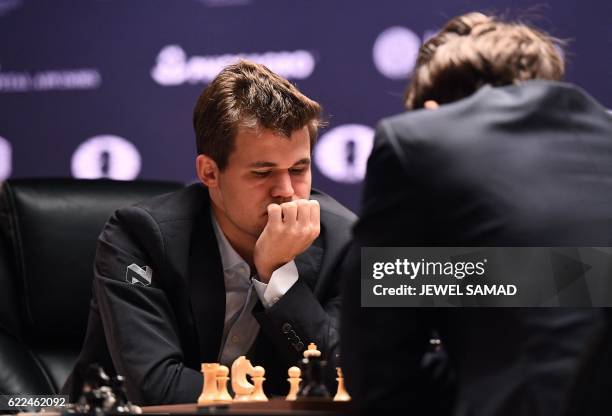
48	233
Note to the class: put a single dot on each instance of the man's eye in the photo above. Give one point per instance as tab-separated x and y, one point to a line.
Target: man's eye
261	173
297	171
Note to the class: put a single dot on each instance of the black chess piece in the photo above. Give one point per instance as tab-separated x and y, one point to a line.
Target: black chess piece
97	397
95	377
121	404
313	370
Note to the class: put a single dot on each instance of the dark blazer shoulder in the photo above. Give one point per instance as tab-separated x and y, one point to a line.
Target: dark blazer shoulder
184	204
527	103
143	229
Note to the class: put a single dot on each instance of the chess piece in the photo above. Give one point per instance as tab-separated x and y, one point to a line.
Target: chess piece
95	392
313	369
108	398
121	404
241	386
258	394
209	391
341	395
95	377
95	402
222	379
294	382
312	351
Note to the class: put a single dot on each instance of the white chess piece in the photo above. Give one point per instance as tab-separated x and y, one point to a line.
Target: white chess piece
209	391
222	379
241	386
258	394
341	395
312	351
294	382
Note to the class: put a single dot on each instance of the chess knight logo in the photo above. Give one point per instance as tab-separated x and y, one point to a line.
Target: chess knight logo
138	275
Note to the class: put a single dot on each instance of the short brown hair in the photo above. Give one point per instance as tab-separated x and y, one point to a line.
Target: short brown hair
249	95
473	50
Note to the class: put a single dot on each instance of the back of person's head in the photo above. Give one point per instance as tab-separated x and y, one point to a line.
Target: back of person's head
473	50
247	95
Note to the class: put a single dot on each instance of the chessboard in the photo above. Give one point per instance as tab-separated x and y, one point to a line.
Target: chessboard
307	395
238	391
275	406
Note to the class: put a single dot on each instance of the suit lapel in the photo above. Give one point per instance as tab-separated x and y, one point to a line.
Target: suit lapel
206	287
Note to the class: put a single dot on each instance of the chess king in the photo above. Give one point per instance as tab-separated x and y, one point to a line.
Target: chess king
237	264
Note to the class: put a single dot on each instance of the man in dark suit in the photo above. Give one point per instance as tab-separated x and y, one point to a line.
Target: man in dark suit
497	152
235	265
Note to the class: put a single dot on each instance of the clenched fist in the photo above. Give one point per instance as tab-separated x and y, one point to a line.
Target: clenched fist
291	229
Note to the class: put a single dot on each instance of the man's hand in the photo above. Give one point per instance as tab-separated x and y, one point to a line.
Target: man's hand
291	229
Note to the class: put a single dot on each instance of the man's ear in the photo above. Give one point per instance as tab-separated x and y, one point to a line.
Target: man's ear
207	171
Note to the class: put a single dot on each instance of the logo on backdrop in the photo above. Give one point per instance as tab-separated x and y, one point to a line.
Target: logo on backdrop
174	67
6	6
139	275
6	156
68	79
342	153
106	156
395	52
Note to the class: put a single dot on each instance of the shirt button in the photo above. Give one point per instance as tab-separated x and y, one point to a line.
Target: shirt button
235	338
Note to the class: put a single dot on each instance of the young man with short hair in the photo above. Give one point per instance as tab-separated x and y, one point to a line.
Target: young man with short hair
237	264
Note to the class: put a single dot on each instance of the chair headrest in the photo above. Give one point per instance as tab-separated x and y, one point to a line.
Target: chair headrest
51	227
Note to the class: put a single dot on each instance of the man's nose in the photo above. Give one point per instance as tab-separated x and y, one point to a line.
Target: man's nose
282	187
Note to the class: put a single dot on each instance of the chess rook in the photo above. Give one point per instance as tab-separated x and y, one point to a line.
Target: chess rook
209	391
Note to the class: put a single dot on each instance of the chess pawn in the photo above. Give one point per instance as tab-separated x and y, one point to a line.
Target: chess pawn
209	391
222	379
341	395
294	382
241	386
258	394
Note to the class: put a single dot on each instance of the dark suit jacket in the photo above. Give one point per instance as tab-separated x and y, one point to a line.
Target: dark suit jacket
157	336
527	165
